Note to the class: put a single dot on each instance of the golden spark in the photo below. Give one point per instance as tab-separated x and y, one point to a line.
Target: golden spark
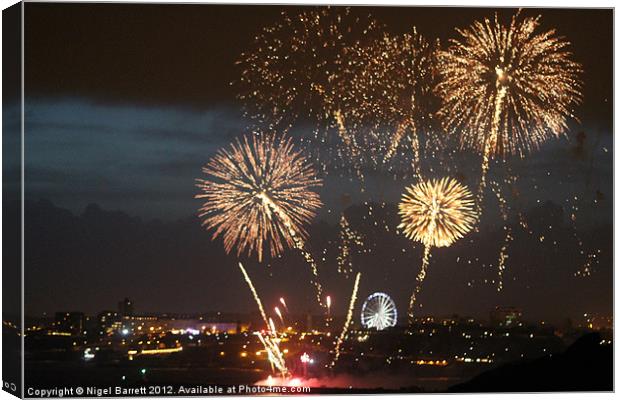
508	237
294	69
258	194
254	294
279	314
270	344
283	303
272	328
347	323
348	238
274	354
506	89
435	213
388	86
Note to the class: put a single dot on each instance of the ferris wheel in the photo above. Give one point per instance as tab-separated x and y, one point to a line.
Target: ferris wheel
379	312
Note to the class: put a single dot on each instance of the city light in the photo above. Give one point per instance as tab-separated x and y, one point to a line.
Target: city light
162	351
305	358
88	354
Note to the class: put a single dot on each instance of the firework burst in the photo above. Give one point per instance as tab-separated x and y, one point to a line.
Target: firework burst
388	87
435	213
294	69
258	195
506	89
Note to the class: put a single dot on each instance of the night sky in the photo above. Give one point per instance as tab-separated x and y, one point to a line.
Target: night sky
125	103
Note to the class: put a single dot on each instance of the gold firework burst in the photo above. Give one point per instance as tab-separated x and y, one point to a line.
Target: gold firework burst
295	67
258	194
387	90
506	89
437	212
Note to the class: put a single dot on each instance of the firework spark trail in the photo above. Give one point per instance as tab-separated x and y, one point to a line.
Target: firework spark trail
347	322
315	273
284	303
419	280
328	301
491	142
349	140
279	314
435	213
328	318
350	145
299	244
425	261
272	328
399	133
503	256
249	181
506	89
415	158
274	355
271	347
503	253
396	140
348	237
591	259
255	294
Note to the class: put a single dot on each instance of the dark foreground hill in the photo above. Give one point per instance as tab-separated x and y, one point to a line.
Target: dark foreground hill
587	365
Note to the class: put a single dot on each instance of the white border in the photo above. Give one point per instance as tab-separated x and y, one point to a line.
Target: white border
480	3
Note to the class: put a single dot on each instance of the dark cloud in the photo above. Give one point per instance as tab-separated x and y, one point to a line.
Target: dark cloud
79	151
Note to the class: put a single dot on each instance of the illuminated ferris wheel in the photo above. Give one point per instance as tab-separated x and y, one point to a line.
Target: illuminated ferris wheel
379	312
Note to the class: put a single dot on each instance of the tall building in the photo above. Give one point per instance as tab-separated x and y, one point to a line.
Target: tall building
125	308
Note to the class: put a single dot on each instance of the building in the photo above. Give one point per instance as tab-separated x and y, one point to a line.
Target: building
144	324
108	322
69	322
125	307
507	317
